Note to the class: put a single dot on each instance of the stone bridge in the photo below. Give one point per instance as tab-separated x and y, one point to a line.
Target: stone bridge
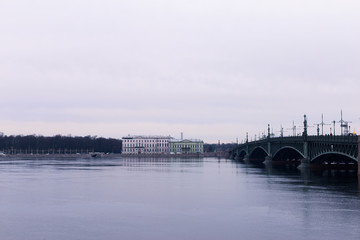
340	151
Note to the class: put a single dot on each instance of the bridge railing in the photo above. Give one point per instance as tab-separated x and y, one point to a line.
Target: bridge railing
331	138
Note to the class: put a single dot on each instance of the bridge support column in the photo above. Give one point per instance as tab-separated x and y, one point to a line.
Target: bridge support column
305	164
236	155
246	158
268	160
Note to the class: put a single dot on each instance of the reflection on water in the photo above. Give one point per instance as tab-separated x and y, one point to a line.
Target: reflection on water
173	199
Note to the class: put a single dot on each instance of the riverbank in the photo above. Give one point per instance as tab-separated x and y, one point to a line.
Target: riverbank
111	155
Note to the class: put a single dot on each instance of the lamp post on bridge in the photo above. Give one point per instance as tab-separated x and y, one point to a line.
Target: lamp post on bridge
305	162
305	127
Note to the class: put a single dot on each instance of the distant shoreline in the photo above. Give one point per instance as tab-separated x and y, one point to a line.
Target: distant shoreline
107	156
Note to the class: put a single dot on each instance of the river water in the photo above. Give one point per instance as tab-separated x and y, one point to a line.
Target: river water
172	199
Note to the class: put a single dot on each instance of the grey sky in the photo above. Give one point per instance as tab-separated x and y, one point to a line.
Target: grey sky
211	69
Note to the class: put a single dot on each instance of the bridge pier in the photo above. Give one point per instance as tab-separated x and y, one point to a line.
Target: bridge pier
246	159
304	165
268	160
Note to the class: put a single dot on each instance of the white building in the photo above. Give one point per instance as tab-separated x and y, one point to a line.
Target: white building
145	144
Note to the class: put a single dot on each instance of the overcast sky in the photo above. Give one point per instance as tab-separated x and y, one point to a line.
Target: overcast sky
209	68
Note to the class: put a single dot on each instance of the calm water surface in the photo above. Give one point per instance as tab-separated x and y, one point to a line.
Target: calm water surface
172	199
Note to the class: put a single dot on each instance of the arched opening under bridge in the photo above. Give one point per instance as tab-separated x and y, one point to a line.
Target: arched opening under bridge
241	155
258	155
334	161
287	156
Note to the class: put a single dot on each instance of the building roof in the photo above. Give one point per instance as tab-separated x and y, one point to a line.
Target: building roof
147	137
186	140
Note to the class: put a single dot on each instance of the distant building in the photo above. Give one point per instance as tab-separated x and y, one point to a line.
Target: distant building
145	144
186	146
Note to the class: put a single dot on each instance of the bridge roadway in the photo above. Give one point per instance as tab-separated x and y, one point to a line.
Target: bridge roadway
339	152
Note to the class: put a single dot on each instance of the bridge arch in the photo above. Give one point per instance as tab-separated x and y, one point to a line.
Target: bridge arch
287	152
258	154
337	157
242	155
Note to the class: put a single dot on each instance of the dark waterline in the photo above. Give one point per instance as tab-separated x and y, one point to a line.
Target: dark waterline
173	199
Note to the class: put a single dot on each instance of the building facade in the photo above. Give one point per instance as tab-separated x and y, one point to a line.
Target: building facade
186	146
145	144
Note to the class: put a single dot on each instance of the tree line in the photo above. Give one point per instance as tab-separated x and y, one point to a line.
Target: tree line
37	144
58	144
